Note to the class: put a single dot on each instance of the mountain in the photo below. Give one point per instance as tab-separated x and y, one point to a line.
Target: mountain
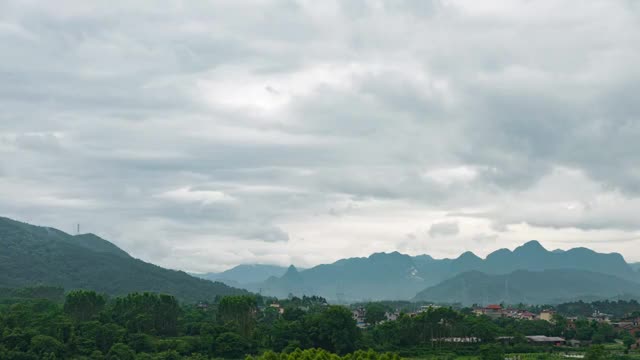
33	255
395	276
380	276
532	256
636	266
245	274
529	287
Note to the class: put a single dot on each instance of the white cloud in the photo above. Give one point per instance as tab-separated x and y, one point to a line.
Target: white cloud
189	195
303	132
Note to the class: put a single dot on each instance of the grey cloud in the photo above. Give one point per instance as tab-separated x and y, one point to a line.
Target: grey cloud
105	106
444	229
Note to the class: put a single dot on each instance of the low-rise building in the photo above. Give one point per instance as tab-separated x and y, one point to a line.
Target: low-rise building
493	311
547	315
279	308
546	340
359	316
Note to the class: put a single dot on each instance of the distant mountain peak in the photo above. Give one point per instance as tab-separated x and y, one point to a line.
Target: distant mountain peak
533	245
468	255
499	253
385	254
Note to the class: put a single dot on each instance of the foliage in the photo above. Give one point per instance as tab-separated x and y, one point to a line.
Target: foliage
152	326
375	313
83	305
597	352
33	255
491	352
239	310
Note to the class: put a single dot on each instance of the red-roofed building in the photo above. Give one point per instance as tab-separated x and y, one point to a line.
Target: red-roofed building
492	311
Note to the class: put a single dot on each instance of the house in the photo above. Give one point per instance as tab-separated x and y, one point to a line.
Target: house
359	315
579	343
545	340
547	315
600	317
526	315
519	314
465	340
425	308
279	308
391	316
493	311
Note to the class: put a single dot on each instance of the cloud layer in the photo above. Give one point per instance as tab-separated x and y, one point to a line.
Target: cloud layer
199	136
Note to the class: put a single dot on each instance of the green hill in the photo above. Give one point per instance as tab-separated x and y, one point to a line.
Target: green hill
33	255
530	287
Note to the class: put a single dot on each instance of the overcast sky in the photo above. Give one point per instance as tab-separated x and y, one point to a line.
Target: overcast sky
198	137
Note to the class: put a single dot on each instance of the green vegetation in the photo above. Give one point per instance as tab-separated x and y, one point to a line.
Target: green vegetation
33	255
88	325
149	326
311	354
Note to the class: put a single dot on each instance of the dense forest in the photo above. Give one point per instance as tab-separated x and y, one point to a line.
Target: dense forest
45	323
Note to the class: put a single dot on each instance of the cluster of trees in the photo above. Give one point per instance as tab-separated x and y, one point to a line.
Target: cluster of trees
320	354
87	325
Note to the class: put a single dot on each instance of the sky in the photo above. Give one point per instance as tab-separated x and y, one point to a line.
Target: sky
199	135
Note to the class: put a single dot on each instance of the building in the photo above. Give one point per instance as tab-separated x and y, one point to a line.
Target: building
465	340
425	308
547	315
526	315
545	340
493	311
359	315
391	316
600	317
279	308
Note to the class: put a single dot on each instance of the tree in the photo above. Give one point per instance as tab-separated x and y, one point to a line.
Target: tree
141	343
83	305
120	351
332	329
597	352
374	313
628	340
147	313
239	311
231	345
491	352
44	345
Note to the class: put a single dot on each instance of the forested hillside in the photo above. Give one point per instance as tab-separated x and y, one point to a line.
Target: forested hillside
33	255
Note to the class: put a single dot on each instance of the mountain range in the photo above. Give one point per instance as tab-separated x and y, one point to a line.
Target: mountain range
530	287
245	274
395	276
33	255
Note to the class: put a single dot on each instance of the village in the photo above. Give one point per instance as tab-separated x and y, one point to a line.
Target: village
629	325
